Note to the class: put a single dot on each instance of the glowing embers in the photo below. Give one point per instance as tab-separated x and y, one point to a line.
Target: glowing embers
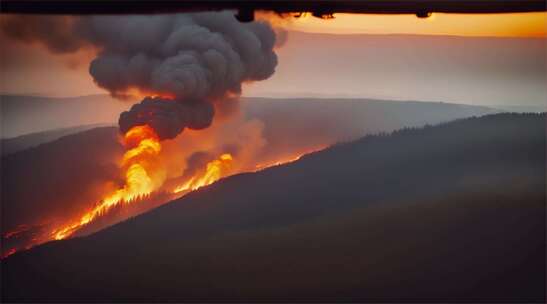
214	170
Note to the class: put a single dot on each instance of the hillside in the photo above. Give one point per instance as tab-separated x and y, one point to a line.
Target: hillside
452	213
293	123
30	114
23	142
59	177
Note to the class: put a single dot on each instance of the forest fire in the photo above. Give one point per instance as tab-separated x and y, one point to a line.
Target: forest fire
282	161
139	184
151	178
142	188
143	146
214	170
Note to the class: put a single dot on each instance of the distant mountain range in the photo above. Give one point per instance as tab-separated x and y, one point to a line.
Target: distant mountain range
23	142
450	213
22	115
30	114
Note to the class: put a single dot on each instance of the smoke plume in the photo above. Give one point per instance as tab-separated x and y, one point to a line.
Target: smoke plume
187	63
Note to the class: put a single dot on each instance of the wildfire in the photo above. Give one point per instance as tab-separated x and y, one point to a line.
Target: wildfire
9	252
286	160
214	170
143	148
19	230
219	168
142	142
277	163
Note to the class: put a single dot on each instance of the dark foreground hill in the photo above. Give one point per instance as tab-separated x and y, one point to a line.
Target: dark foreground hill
452	213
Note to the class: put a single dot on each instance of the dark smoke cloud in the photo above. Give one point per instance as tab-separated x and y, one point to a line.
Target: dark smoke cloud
168	117
198	59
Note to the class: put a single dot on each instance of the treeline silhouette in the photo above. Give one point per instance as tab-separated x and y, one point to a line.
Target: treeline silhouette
447	213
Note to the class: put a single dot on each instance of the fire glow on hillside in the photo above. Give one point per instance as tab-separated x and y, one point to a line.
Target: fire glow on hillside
144	178
143	146
139	184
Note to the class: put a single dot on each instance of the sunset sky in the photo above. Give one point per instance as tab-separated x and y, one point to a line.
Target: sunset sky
356	56
490	25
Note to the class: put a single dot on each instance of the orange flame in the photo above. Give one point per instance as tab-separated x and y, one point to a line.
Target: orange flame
215	170
144	143
220	168
143	146
9	252
287	160
18	230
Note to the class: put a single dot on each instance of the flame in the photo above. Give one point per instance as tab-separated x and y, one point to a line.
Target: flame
143	148
286	160
165	96
214	170
18	230
277	163
143	143
220	168
9	252
146	146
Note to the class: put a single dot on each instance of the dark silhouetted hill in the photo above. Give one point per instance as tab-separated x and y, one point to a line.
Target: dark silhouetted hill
451	213
60	177
522	108
30	114
19	143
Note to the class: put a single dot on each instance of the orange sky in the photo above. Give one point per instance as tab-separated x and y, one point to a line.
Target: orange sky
497	25
26	69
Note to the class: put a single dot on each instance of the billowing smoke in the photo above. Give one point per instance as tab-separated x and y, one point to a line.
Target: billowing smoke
190	62
168	117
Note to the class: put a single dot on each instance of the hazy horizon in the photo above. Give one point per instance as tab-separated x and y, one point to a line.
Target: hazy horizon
280	97
456	69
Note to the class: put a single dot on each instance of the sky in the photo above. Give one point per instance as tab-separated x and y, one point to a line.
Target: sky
473	59
490	25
